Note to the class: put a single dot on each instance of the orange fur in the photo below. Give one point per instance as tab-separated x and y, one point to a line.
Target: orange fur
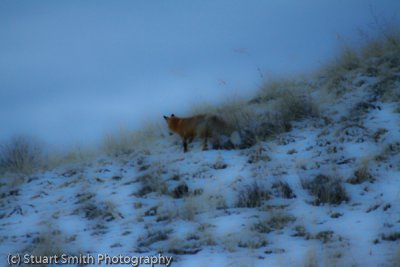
202	126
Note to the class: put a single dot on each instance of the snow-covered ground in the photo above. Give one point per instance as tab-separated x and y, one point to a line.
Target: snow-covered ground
261	206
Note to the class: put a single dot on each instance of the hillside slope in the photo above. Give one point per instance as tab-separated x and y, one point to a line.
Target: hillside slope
323	192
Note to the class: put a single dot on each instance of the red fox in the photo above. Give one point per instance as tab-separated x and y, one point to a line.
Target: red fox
203	126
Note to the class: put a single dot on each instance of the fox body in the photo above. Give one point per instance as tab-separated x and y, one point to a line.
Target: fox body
203	126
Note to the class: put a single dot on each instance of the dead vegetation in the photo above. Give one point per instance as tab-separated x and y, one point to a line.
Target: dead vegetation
253	195
48	243
277	221
326	189
282	189
379	57
125	141
21	155
361	175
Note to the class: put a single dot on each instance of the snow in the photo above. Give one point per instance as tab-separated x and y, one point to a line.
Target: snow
97	206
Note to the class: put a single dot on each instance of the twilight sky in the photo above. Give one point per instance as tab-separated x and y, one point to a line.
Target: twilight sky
71	71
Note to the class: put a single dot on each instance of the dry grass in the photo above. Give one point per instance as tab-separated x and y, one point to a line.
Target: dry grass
75	155
311	259
270	112
179	246
326	189
379	46
290	100
276	221
189	209
153	180
253	195
258	154
21	155
388	151
49	242
379	57
152	236
282	189
194	205
238	114
361	174
329	258
287	101
24	155
126	141
335	74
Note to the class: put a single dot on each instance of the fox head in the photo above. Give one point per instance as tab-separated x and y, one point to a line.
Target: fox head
171	121
168	118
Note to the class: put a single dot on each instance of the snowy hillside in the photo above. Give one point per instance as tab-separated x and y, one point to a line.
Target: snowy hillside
317	189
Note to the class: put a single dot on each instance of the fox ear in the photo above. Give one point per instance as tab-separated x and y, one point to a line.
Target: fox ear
166	118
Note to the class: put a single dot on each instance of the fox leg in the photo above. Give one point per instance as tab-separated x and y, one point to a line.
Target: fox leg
216	143
185	145
205	145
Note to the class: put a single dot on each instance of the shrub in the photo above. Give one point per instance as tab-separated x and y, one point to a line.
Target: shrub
348	59
277	105
178	246
180	190
391	237
271	112
280	220
152	183
20	155
253	242
49	242
290	99
152	236
105	211
277	221
361	175
379	57
326	189
252	196
283	189
325	236
300	231
387	43
258	153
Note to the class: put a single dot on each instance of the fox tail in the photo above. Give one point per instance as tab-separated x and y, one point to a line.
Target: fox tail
235	138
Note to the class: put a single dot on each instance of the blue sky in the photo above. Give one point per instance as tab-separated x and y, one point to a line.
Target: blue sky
73	70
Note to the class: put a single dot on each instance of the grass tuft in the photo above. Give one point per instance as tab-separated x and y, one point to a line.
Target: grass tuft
20	155
252	196
326	189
